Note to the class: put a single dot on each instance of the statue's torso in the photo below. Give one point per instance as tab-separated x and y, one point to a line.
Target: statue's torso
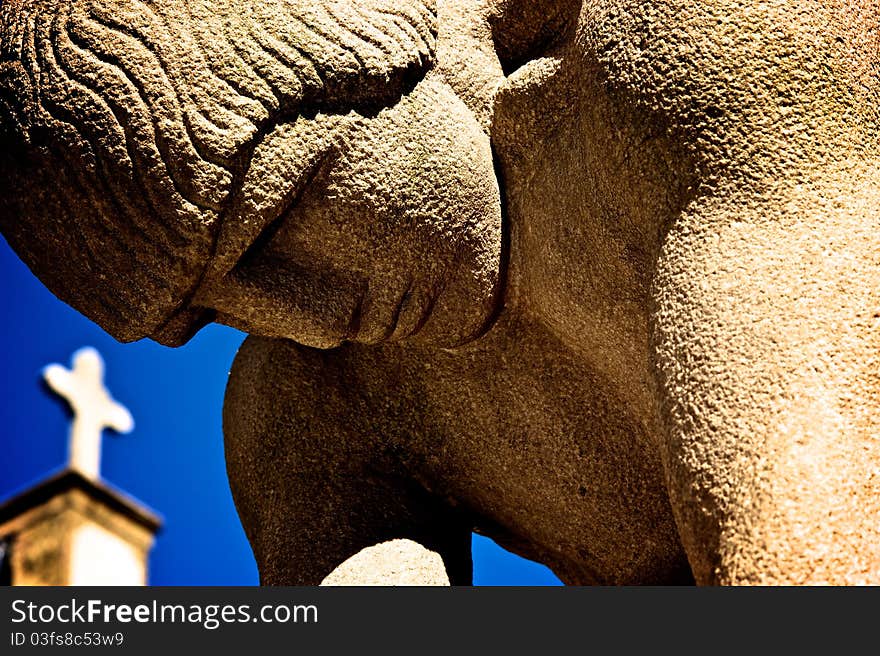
514	430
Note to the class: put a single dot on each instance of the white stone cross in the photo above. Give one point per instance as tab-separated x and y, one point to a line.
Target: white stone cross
93	408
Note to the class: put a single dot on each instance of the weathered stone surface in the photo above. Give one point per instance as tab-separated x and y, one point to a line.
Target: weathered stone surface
396	562
663	365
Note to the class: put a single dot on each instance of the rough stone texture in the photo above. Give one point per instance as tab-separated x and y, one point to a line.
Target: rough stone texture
661	366
396	562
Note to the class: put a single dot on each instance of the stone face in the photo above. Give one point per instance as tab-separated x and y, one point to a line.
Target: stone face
662	365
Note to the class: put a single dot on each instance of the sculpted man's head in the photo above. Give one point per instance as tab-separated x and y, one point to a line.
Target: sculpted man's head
321	171
687	268
297	170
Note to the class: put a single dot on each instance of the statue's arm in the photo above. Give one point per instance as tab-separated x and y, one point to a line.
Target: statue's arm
313	478
767	341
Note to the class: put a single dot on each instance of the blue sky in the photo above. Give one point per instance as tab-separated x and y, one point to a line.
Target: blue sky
173	460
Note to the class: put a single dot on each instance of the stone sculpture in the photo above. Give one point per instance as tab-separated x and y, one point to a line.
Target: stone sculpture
598	278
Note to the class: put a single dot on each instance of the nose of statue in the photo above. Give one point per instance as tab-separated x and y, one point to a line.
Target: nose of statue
394	232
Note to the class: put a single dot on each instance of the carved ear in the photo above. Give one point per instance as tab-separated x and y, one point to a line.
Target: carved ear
126	126
525	29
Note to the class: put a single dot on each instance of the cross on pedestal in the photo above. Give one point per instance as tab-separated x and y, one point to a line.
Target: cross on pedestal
73	528
93	408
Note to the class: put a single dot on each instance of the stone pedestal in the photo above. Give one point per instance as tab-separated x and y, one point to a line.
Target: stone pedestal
70	530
